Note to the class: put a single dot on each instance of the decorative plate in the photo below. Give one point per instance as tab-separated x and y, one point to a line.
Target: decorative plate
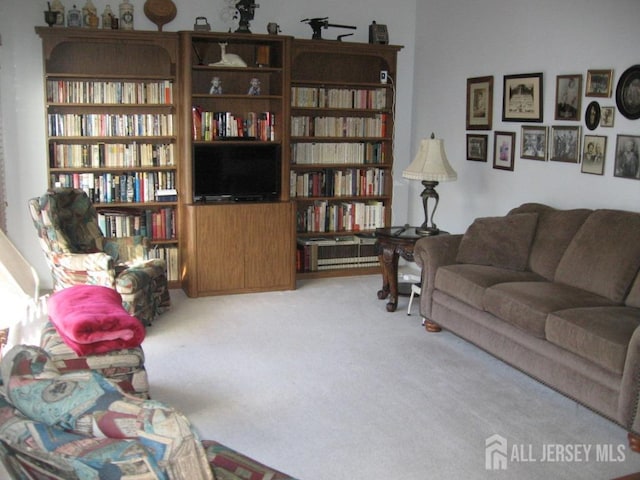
160	12
628	93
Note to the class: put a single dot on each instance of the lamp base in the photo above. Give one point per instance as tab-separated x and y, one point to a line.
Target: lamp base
427	231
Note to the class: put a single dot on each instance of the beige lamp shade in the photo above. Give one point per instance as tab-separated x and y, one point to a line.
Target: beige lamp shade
431	163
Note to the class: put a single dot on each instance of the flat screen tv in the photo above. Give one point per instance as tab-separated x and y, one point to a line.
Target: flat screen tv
238	173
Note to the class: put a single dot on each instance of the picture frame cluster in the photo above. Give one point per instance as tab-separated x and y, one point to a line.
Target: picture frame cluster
564	141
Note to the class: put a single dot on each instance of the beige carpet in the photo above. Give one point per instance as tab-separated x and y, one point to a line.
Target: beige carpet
324	384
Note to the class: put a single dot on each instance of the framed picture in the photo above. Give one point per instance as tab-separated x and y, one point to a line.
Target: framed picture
503	150
628	93
565	144
599	83
607	115
479	103
568	97
593	154
627	161
522	98
533	143
592	115
477	147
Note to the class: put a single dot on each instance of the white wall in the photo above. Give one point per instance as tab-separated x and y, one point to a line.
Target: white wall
459	39
21	86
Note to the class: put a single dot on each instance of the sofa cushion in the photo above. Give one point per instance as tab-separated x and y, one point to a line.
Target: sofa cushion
604	256
499	241
468	282
599	334
527	304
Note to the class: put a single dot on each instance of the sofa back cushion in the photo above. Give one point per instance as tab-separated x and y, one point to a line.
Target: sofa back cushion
499	241
556	229
604	255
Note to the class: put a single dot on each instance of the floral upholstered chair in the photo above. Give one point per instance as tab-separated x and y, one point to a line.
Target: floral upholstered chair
80	426
77	252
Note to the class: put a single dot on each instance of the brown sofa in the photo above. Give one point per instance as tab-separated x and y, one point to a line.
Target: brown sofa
554	293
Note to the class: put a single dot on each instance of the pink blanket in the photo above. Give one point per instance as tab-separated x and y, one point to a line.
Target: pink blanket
91	319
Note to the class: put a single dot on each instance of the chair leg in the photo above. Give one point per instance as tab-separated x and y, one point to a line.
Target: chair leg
416	289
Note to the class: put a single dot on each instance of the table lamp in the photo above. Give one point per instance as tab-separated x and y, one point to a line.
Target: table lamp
431	167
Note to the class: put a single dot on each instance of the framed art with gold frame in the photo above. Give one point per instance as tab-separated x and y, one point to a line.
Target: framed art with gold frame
599	83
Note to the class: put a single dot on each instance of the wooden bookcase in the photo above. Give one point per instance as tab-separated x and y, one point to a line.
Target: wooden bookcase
342	120
110	100
231	246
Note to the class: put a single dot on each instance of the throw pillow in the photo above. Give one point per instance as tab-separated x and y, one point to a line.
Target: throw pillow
499	241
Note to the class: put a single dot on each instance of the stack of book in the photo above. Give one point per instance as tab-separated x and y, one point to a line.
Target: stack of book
352	251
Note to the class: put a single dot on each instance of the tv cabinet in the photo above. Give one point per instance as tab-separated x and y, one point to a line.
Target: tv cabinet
110	99
235	247
239	248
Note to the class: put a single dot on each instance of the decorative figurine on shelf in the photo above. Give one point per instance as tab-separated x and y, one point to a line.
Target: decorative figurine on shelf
228	59
273	28
50	16
74	17
254	87
126	15
216	86
58	7
89	15
107	17
247	10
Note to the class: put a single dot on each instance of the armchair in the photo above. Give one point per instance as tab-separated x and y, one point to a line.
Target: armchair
77	252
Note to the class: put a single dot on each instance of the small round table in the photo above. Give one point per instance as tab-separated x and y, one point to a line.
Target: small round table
393	243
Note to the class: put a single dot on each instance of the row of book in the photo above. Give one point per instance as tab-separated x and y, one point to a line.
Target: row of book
130	187
352	251
324	216
330	182
305	153
101	155
307	126
110	92
157	224
170	255
315	97
110	125
220	125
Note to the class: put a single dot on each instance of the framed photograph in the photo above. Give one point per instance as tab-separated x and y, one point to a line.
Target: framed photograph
599	83
479	103
522	98
533	143
565	144
503	150
593	154
607	115
592	115
568	97
627	161
477	147
628	93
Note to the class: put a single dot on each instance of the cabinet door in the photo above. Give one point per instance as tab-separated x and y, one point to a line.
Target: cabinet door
221	230
269	248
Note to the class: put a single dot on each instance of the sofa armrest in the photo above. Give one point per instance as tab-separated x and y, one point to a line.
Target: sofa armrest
431	253
629	399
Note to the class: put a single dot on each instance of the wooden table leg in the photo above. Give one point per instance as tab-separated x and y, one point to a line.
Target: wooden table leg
389	264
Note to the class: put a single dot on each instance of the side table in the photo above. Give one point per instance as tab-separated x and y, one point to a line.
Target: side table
391	244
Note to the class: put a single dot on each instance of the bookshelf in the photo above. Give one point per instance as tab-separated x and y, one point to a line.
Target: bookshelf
110	100
231	245
341	153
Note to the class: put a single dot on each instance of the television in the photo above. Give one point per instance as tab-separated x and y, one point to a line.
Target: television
236	173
